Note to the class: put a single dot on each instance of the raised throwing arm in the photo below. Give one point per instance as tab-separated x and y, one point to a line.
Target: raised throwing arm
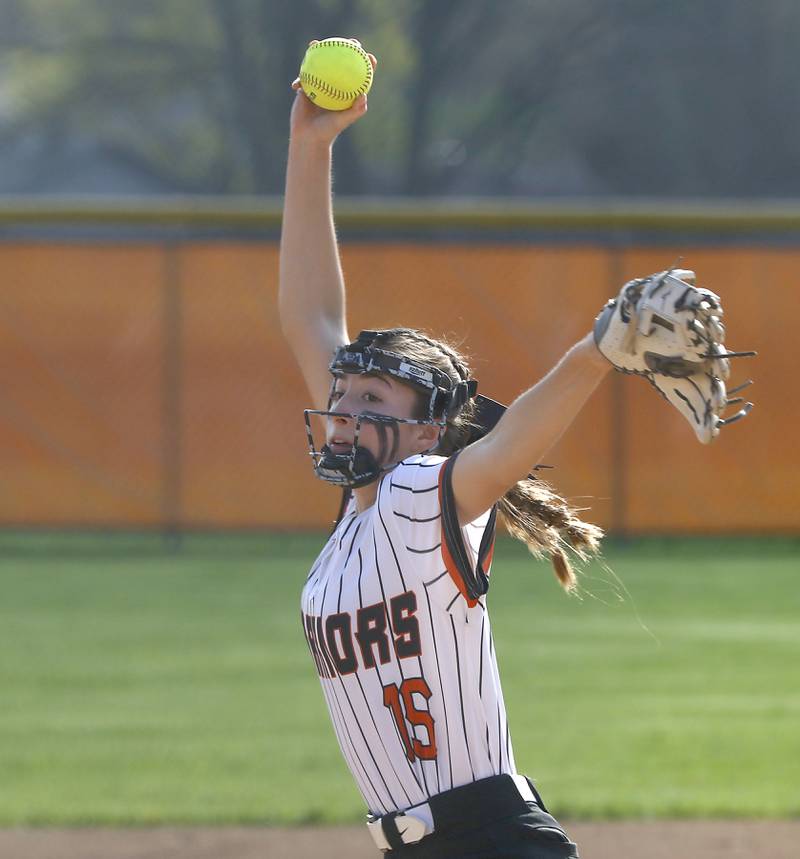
311	293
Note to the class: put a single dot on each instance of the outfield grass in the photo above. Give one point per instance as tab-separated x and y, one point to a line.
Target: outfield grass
143	686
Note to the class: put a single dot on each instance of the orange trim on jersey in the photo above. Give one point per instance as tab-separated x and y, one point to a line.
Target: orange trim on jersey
487	564
449	563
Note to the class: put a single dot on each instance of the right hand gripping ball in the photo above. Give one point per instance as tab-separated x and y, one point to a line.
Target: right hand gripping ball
334	72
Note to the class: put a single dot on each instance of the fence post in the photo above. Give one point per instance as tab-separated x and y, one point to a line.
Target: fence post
172	372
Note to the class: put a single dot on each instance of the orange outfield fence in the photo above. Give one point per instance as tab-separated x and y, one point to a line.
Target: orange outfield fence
148	384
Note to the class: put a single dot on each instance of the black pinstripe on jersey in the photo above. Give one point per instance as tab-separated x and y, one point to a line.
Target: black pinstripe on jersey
413	694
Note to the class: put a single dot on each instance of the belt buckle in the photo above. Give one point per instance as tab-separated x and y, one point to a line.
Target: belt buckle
408	828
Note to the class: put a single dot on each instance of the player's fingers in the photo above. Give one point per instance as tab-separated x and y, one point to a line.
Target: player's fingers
357	109
296	84
684	274
313	42
372	57
300	96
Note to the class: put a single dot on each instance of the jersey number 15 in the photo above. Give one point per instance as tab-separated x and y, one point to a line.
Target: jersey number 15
399	698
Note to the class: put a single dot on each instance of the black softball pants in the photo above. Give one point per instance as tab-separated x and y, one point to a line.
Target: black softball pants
489	820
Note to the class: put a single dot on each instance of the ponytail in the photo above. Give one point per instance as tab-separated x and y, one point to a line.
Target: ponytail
534	513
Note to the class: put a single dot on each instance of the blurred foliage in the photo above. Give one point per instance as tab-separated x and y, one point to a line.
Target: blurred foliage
529	97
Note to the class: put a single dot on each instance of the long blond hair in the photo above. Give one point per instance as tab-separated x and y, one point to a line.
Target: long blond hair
531	511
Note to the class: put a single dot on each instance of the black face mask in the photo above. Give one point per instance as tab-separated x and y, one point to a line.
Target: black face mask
358	466
354	470
444	398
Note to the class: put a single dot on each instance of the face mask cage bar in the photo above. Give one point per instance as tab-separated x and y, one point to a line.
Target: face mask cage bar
359	467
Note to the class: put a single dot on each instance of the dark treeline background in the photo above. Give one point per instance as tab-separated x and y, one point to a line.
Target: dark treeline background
686	98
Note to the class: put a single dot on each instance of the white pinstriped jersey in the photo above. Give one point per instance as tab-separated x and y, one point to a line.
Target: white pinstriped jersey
407	667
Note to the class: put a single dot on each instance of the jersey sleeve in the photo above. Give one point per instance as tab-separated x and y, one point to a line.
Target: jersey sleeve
424	515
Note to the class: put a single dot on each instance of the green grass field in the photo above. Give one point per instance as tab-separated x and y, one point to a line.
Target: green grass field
143	686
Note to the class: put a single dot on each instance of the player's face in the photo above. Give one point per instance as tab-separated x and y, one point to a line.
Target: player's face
379	394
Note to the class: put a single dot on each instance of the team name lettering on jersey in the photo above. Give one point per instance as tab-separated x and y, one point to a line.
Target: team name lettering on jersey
337	643
406	663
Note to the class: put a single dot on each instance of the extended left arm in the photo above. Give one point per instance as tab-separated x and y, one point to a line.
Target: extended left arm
533	423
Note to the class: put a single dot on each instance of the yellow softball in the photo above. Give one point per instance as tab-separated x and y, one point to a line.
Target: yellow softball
334	72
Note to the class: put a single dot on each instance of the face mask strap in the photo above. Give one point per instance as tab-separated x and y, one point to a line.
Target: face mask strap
361	357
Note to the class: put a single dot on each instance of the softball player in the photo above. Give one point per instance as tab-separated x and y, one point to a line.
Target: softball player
394	608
